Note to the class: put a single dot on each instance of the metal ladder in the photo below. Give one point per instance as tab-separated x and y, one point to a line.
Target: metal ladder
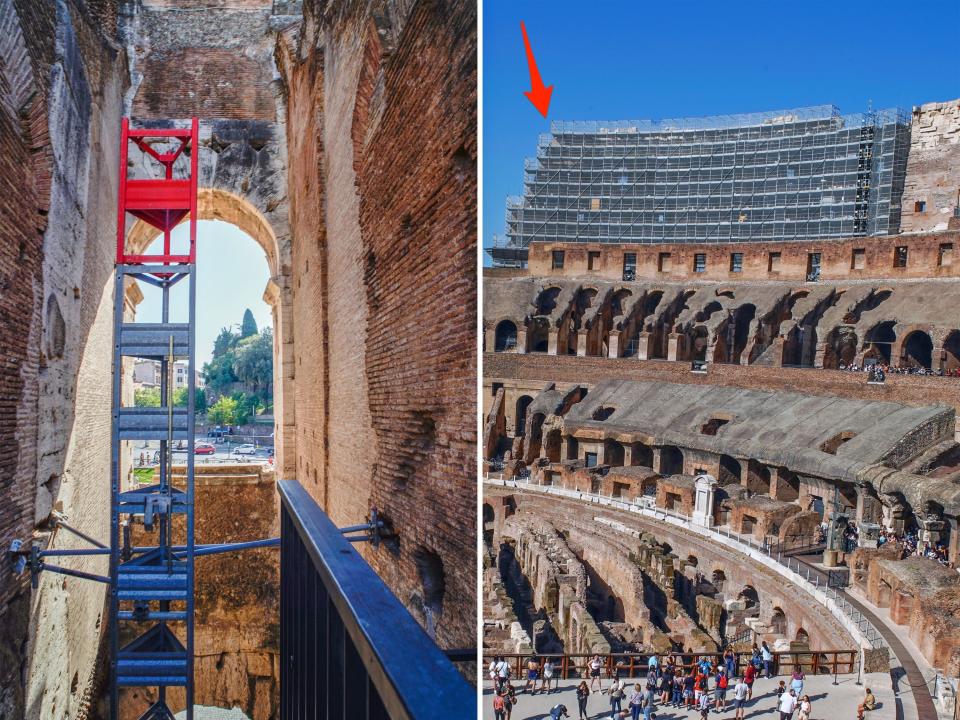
151	586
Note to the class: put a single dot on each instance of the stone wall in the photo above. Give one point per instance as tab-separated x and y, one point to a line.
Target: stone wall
382	120
933	168
237	595
63	82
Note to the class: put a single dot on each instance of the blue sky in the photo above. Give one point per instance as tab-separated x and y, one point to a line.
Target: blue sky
627	60
232	274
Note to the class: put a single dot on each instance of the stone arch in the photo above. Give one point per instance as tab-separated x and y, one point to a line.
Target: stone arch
718	578
538	335
520	416
750	597
730	471
489	520
917	349
613	453
552	445
699	342
951	351
641	454
505	336
803	636
778	622
218	204
879	340
671	460
758	477
546	301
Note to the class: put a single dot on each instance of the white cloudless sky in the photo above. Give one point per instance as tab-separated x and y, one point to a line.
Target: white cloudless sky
232	274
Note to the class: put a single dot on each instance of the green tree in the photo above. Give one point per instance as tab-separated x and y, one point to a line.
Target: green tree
199	399
218	373
223	412
253	363
225	341
245	406
147	397
249	326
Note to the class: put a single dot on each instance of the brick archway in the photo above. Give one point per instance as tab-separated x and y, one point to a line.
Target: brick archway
217	204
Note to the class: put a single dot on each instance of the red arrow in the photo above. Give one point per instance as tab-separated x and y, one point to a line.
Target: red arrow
538	95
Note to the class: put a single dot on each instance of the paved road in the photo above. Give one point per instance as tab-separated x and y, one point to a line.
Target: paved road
830	702
910	680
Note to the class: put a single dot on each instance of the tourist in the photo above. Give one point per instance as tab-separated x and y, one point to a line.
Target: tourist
788	703
595	665
492	671
740	692
503	673
648	704
616	696
688	683
796	681
499	711
666	686
767	656
676	693
869	703
583	692
532	667
558	711
720	691
704	706
636	702
547	676
730	662
653	663
781	689
806	707
699	687
652	680
509	698
749	675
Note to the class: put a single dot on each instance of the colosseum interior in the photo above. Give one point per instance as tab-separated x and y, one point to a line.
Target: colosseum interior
305	127
683	450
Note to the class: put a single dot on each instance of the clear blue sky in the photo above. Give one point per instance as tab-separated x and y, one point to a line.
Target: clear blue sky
629	60
232	274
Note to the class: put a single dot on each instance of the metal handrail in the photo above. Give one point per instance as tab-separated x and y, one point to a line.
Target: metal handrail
340	622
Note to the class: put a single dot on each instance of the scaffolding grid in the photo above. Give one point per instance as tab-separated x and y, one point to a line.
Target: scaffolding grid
805	173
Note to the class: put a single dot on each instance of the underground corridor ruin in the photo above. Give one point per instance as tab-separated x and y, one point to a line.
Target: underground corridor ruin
303	134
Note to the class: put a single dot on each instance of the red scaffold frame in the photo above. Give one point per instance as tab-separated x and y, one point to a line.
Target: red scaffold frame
161	202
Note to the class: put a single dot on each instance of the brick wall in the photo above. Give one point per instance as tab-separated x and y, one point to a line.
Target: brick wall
562	369
933	168
383	224
839	259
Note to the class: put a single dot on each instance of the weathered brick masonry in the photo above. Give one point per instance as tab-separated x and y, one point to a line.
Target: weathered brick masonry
382	177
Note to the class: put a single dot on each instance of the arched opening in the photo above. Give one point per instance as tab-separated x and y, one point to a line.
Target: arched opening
547	300
488	524
520	421
552	444
538	336
788	485
803	636
641	454
671	460
951	352
613	453
730	471
699	343
234	214
718	578
749	597
917	350
758	478
778	622
505	336
879	340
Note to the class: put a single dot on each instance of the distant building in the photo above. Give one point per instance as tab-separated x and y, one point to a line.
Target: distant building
146	374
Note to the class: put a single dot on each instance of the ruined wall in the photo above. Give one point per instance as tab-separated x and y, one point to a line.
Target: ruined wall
933	168
383	225
64	78
865	258
237	595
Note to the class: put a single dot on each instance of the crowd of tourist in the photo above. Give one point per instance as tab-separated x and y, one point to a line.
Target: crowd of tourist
705	684
879	371
911	544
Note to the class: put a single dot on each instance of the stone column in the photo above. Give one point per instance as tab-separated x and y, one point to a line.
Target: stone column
954	542
279	296
552	341
613	344
674	346
628	454
582	343
643	345
703	500
521	340
489	340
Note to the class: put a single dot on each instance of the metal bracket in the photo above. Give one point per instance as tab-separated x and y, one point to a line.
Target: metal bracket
371	531
17	557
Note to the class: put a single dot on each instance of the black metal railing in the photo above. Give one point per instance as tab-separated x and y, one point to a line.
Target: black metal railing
348	648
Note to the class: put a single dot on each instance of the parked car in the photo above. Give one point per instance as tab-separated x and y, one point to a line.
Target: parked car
202	448
247	449
265	451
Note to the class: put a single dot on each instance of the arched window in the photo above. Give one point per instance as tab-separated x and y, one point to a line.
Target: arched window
671	460
918	349
506	336
523	402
